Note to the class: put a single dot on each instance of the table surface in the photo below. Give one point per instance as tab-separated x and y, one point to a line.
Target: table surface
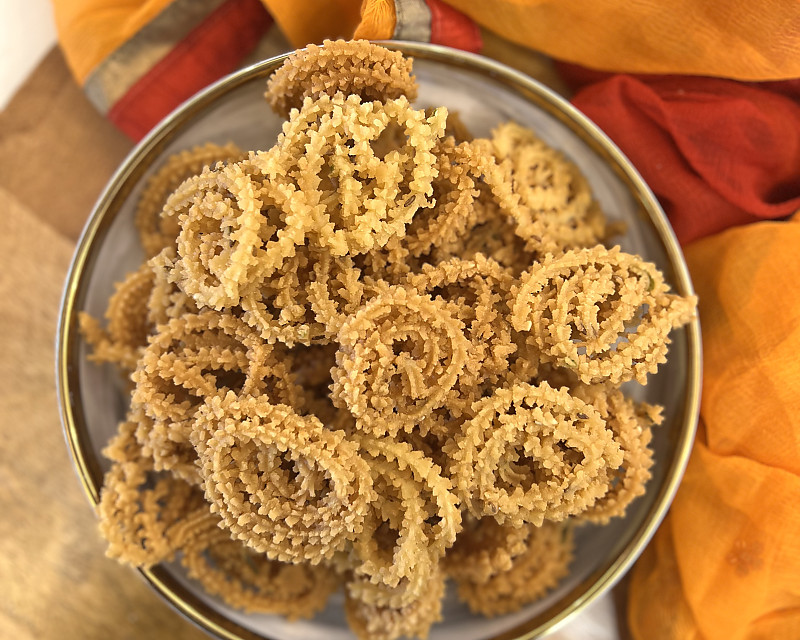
56	153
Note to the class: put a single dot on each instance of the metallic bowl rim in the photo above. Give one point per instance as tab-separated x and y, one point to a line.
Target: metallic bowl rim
135	164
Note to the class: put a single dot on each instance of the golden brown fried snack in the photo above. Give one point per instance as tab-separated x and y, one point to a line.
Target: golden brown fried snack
556	209
418	505
531	575
378	622
308	488
167	301
355	67
233	234
190	359
128	322
632	425
142	521
252	582
156	230
455	189
484	549
533	453
399	357
603	313
327	165
477	291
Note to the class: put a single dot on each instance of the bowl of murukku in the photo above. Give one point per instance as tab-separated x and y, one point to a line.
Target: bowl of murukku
378	342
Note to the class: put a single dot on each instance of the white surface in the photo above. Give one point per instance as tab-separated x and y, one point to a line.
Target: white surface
27	32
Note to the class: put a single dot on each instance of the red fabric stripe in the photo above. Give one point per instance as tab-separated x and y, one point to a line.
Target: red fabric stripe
452	28
578	77
717	153
215	47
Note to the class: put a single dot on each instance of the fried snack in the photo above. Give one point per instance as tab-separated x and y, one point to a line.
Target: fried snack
420	496
557	209
632	425
280	309
378	622
399	356
157	231
347	67
601	312
484	549
325	164
309	488
381	353
167	300
252	582
128	322
232	234
455	191
140	518
336	292
192	358
531	575
477	289
493	236
533	453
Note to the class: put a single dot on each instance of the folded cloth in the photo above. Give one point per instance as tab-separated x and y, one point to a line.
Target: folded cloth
743	39
717	153
139	59
725	563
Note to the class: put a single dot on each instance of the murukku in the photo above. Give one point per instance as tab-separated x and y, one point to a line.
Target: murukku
557	209
485	548
399	356
478	290
167	301
348	67
632	425
252	582
128	322
532	574
280	308
138	512
234	232
603	313
325	163
335	292
533	453
455	190
282	483
414	620
493	235
157	231
192	358
424	516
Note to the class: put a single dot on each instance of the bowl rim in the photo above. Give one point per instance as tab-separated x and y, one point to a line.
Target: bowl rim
145	152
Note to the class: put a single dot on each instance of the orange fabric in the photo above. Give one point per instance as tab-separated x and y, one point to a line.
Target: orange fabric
378	18
743	39
89	30
726	562
729	38
305	21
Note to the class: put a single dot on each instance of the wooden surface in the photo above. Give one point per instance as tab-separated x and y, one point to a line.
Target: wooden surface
56	153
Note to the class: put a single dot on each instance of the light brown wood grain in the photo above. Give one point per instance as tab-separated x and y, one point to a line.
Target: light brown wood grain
56	153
